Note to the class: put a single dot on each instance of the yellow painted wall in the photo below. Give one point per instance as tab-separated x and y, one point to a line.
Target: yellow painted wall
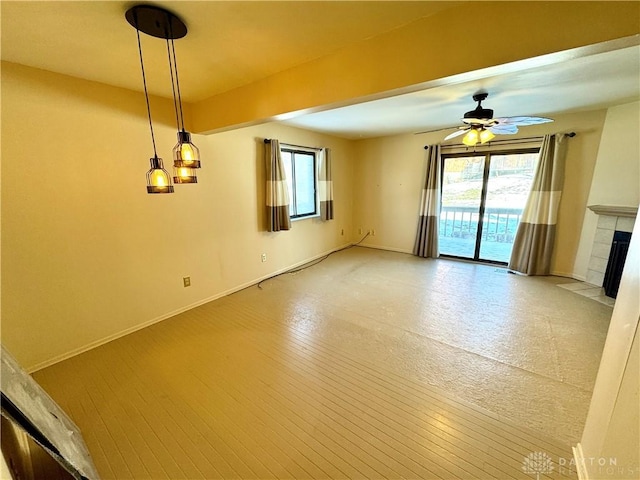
388	188
469	37
88	254
390	172
616	178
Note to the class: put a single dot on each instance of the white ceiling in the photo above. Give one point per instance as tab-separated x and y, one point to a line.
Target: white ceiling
540	87
232	43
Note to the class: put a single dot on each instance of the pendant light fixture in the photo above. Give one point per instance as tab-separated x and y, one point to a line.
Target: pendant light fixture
160	23
186	156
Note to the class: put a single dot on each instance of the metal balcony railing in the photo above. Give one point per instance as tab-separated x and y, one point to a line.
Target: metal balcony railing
499	224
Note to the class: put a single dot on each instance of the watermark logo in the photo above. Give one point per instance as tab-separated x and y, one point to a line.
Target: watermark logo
537	463
540	463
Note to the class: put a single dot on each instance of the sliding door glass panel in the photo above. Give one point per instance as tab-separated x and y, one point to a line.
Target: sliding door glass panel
508	185
460	208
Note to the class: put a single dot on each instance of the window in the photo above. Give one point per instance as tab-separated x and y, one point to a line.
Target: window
300	168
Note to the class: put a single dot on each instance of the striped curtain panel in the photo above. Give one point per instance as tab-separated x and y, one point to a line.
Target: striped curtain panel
277	191
325	184
533	245
426	244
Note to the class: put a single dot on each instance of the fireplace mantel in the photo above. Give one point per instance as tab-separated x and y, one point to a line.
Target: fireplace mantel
614	210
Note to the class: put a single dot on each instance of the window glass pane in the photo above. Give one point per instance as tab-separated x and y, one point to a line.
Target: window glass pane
286	163
305	200
460	210
510	179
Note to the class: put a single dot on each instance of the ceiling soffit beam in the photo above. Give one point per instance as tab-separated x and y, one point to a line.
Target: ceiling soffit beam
447	44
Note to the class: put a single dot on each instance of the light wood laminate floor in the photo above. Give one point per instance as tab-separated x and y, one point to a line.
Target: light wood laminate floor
370	364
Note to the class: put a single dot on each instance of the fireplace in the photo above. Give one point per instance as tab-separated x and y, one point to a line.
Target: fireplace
611	219
615	264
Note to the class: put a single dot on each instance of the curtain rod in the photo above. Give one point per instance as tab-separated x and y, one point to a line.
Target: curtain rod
267	140
515	141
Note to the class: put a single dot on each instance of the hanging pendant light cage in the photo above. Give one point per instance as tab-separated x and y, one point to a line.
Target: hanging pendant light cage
158	179
184	175
185	153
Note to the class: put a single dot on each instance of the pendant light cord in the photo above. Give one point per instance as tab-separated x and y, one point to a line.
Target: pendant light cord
146	96
175	63
173	84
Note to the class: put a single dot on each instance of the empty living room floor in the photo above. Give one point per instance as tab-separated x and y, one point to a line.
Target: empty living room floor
370	364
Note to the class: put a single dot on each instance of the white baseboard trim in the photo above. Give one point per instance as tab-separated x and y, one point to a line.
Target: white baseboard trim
148	323
581	468
567	275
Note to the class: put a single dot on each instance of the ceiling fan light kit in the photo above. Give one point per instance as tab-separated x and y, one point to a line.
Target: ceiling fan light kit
481	127
160	23
471	138
475	135
486	136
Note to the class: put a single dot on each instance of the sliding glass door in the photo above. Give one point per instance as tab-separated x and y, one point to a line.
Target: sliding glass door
482	201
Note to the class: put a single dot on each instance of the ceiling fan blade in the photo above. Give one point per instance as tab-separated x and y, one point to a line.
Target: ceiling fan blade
522	121
503	129
456	134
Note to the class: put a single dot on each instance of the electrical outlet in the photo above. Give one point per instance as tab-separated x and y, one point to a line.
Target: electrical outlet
186	281
263	257
359	231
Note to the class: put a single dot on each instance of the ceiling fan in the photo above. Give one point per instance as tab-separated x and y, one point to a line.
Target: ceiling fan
480	126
